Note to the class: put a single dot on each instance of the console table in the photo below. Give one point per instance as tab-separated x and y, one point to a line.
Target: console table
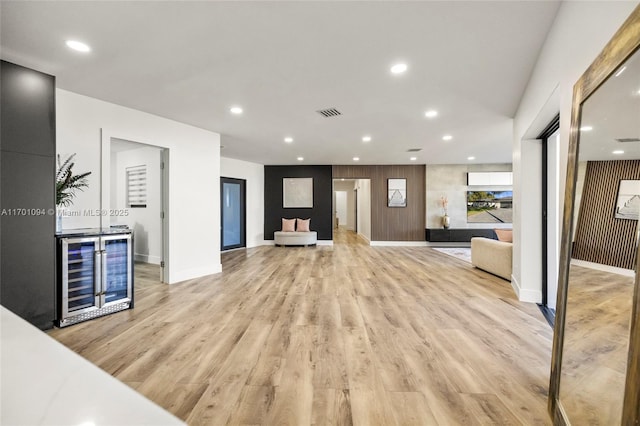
462	235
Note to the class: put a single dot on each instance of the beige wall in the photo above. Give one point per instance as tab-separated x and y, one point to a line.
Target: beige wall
450	180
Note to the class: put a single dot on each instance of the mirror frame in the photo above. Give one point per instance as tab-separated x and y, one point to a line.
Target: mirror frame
624	43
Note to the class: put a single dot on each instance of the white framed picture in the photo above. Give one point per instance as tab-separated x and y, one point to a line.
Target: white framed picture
297	193
397	193
628	200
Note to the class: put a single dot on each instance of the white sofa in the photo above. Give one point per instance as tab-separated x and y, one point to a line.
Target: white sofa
295	238
492	256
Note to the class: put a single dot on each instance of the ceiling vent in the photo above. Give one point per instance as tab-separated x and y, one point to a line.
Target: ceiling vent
414	150
329	112
624	140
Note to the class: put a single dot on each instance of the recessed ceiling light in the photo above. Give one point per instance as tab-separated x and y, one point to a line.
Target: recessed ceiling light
342	179
288	140
638	92
356	158
236	110
413	158
366	139
78	45
431	113
398	68
621	71
447	137
618	152
300	158
471	158
586	128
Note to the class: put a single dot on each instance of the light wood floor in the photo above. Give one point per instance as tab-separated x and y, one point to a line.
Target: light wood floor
348	334
594	360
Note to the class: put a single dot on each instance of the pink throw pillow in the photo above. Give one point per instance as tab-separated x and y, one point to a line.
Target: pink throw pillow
288	225
303	225
505	235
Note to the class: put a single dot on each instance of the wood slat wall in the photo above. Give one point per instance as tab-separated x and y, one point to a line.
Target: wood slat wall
601	238
392	223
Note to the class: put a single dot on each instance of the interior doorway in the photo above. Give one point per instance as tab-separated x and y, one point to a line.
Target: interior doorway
233	217
352	209
135	182
342	218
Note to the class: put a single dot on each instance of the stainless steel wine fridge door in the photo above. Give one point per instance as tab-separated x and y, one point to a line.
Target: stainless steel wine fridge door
81	275
116	252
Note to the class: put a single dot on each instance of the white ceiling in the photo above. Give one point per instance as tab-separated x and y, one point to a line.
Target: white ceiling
282	61
613	112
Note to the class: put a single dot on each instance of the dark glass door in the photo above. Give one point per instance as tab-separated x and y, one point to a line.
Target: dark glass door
232	213
117	268
551	217
79	271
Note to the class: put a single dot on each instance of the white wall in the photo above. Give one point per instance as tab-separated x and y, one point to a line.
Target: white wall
254	175
450	180
364	207
86	125
145	222
580	31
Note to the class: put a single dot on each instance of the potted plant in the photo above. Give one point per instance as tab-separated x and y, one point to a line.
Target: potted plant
66	185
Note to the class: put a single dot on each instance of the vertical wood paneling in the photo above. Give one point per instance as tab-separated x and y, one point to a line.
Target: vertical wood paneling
392	223
601	238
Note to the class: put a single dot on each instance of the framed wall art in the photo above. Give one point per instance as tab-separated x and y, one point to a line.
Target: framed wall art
397	193
297	193
628	200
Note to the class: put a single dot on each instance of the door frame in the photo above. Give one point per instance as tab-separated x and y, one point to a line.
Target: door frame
106	135
544	136
243	213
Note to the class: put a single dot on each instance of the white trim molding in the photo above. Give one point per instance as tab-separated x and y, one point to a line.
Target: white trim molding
525	295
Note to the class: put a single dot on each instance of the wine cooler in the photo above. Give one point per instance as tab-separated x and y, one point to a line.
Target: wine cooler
95	276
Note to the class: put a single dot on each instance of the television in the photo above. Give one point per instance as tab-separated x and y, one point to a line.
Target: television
489	206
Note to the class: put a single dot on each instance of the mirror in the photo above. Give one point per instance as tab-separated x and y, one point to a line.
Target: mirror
594	376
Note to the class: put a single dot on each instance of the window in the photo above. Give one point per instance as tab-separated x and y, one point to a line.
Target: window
137	186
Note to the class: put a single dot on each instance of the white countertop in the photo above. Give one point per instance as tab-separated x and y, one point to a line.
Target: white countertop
43	382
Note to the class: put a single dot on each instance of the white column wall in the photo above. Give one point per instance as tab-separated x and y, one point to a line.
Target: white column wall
364	208
254	175
86	125
579	32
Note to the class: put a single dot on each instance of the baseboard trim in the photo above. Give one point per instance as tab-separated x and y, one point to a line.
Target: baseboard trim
516	286
398	243
525	295
145	258
603	268
189	274
364	237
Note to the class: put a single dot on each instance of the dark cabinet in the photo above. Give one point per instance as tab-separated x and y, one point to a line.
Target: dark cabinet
27	194
462	235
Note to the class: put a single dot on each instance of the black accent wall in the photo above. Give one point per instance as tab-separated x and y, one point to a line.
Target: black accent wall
27	193
320	214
